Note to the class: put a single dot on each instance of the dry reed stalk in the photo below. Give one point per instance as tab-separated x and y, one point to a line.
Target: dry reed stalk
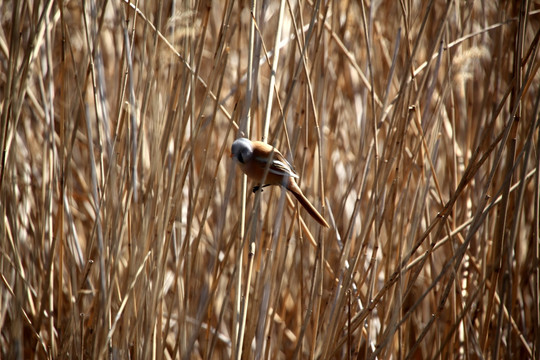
413	125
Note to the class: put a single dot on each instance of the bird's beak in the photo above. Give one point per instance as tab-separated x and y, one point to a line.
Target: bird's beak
231	155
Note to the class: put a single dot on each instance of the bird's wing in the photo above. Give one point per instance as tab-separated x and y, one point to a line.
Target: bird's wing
280	166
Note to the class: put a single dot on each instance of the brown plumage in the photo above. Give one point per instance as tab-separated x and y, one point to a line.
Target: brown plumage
253	156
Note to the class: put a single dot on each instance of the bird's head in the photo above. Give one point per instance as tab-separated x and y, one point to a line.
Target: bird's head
242	150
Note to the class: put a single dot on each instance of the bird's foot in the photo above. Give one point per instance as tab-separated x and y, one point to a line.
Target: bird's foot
259	187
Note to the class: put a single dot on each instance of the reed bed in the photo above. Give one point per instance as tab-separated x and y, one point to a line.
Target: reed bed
128	232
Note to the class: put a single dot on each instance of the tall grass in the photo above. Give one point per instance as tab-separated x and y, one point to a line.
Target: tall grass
127	231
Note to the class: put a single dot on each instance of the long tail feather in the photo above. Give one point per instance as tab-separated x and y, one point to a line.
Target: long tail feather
295	189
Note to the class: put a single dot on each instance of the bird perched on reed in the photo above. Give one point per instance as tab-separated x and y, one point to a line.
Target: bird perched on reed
253	158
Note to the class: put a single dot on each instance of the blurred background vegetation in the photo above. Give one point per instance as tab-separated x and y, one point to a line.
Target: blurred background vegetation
127	231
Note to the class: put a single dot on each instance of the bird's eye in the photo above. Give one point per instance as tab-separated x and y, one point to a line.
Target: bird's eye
240	158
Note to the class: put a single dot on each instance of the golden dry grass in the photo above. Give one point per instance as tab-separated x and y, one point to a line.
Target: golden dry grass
127	231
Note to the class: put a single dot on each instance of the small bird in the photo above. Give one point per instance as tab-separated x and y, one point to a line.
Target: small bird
253	157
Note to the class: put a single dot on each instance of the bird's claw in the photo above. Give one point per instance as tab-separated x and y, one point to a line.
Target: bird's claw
259	187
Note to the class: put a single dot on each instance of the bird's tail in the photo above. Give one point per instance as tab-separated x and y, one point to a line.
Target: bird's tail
295	189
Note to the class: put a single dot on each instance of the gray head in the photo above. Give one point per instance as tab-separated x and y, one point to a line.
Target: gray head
242	150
